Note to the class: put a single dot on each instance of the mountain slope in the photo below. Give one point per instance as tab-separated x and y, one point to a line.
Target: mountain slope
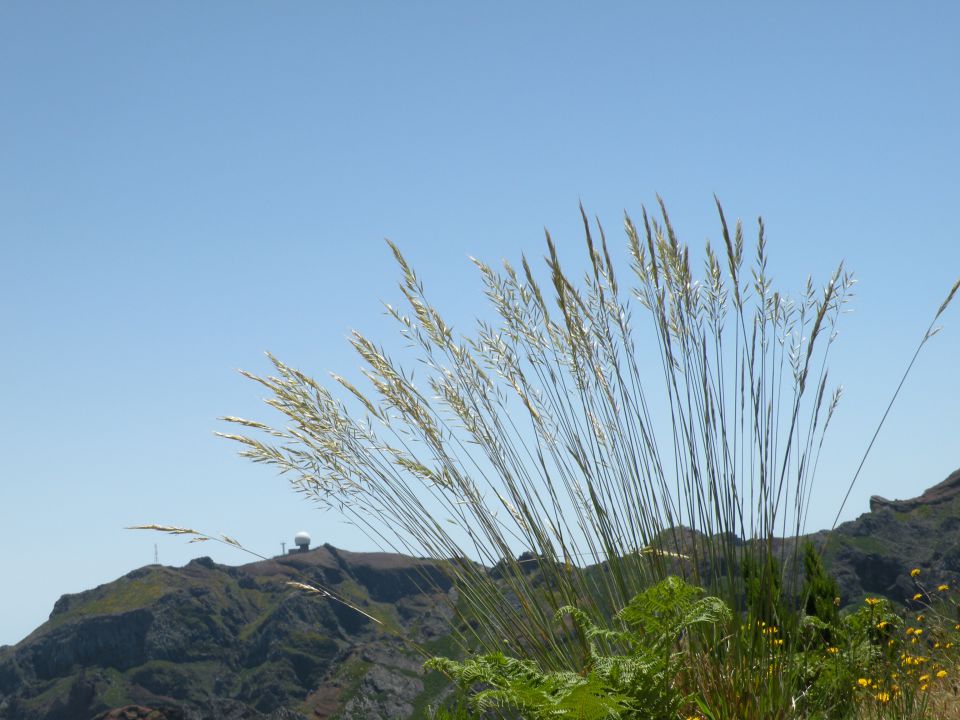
210	641
874	554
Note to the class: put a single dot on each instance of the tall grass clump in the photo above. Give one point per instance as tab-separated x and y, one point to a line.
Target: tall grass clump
620	427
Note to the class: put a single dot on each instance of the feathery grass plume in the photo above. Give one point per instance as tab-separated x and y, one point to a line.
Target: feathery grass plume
616	452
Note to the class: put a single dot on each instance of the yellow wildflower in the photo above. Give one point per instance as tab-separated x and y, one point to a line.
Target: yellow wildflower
943	588
833	650
914	572
918	596
871	600
941	674
863	682
883	697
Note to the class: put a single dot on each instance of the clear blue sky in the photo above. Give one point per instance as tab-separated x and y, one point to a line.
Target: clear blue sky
186	185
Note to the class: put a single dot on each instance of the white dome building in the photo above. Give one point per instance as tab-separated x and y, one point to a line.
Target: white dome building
302	541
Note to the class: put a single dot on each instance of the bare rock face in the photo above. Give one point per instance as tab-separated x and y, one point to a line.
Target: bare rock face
943	492
385	692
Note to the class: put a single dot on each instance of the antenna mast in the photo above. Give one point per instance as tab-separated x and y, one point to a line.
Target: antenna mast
156	555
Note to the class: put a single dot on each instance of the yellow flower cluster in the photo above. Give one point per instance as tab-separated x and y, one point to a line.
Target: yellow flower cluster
908	659
920	660
879	694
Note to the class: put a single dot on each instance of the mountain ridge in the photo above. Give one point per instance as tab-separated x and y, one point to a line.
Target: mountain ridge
217	642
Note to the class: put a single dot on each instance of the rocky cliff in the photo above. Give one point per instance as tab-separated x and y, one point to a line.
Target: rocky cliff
207	641
874	554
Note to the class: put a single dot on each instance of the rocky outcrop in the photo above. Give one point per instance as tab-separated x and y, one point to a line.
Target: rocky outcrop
874	554
940	493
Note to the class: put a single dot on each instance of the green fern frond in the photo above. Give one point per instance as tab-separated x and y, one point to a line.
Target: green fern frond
665	610
639	683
